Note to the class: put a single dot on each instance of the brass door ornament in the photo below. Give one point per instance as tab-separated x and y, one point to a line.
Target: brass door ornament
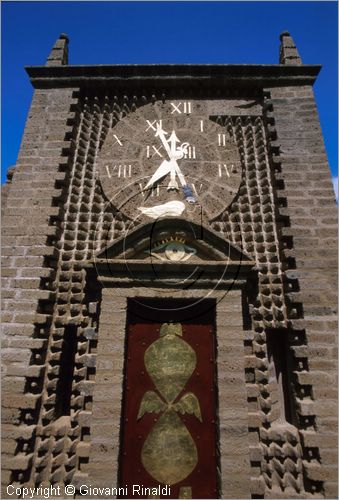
169	453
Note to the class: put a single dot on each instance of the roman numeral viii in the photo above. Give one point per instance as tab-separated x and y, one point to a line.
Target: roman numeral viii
120	171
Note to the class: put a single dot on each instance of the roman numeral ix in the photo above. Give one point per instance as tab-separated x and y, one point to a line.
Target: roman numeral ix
154	151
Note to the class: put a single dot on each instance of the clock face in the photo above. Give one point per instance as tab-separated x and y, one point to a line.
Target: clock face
169	159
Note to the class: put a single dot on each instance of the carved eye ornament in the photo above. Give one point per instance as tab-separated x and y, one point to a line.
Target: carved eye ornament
175	251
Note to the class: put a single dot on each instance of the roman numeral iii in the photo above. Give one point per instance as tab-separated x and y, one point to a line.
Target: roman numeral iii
189	152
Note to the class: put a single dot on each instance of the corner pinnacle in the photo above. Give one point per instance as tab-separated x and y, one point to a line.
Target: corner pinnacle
59	53
288	53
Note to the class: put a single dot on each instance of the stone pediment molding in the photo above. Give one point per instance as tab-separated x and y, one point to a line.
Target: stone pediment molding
172	247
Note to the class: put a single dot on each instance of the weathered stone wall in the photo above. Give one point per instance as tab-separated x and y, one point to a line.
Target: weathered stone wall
30	231
308	236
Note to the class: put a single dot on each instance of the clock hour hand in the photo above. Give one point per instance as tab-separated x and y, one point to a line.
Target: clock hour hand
161	172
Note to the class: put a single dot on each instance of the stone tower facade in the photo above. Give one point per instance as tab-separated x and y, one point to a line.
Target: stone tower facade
233	271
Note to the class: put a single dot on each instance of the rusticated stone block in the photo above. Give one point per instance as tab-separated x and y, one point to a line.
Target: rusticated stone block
19	462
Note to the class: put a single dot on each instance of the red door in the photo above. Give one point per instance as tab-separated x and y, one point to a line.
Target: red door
169	414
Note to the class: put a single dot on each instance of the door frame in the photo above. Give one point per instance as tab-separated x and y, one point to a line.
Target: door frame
231	389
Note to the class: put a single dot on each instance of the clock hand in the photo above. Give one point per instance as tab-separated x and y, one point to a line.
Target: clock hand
173	140
179	173
190	198
172	185
173	166
161	171
171	153
161	133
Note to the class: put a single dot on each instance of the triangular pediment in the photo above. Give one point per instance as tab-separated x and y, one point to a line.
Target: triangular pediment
173	240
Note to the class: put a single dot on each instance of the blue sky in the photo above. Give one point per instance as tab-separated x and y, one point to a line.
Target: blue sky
164	32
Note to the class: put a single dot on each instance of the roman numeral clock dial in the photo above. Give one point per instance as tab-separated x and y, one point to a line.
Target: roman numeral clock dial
169	159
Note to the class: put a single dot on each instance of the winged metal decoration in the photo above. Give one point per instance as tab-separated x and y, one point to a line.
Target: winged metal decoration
169	453
151	403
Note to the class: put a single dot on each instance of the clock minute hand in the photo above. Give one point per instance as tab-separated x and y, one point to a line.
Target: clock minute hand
161	133
190	198
179	173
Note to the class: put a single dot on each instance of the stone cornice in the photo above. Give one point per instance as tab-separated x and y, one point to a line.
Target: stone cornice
170	75
132	273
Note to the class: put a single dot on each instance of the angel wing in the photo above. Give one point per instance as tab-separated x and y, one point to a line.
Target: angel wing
150	403
189	404
163	170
